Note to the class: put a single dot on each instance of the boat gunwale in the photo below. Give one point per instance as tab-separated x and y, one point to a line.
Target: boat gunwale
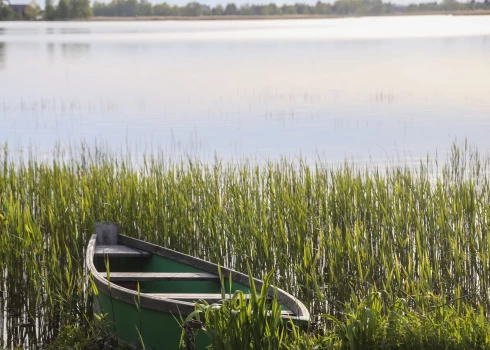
174	306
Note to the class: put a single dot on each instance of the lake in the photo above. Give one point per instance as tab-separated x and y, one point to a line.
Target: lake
382	90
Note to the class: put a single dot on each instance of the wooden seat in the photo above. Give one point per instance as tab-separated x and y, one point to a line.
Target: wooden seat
119	251
161	276
208	297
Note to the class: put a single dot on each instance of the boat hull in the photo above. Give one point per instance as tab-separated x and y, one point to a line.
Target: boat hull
159	330
153	289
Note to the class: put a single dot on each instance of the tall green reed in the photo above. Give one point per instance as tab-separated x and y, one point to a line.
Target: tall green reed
327	232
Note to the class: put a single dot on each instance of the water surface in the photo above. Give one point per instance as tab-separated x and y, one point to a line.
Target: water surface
372	89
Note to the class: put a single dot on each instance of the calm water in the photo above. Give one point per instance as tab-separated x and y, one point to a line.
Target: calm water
366	88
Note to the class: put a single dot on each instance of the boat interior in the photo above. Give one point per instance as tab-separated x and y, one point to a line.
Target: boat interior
162	277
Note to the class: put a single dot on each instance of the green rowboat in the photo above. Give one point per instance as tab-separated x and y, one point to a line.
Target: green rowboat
170	283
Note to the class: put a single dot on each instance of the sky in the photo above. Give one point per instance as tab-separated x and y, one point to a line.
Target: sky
241	2
279	2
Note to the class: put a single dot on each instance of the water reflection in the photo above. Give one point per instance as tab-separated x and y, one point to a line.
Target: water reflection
74	31
51	51
54	30
75	52
2	55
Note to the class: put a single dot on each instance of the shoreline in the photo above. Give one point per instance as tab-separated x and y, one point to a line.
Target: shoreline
282	17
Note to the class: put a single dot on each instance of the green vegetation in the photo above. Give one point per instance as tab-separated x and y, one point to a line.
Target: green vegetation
384	257
64	10
73	9
249	324
338	8
6	12
373	322
32	11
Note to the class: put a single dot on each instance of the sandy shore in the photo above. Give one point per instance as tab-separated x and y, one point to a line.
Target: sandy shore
221	18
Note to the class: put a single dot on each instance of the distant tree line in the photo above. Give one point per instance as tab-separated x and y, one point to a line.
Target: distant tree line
7	13
71	9
63	10
67	9
449	5
339	8
143	8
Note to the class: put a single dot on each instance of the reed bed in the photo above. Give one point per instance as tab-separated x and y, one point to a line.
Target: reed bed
408	246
